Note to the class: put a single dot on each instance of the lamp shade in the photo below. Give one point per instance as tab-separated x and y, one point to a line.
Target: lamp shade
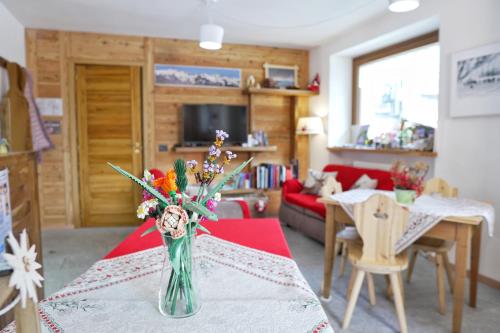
309	125
211	36
401	6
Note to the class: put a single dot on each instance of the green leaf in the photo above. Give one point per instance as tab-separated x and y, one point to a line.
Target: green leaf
200	210
174	253
150	230
180	171
202	228
145	186
220	184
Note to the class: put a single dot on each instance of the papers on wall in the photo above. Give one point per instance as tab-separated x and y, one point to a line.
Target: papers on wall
5	215
50	106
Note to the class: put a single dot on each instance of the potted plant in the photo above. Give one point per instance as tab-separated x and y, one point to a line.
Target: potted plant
408	180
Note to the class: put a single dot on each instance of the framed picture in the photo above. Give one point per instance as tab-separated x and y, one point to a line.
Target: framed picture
475	82
196	76
282	76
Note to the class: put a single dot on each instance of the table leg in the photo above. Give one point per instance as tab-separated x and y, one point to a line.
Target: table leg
474	264
330	240
461	252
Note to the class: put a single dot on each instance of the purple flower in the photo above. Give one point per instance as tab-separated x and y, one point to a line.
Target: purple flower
192	164
219	169
221	135
208	167
214	151
230	155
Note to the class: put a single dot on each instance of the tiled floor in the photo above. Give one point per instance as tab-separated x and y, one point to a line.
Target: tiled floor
68	253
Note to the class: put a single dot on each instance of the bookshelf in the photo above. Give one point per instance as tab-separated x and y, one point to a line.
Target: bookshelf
259	149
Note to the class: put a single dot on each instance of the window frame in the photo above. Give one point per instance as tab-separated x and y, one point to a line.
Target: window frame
414	43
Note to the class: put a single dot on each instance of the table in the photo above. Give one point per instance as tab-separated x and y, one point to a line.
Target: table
465	231
260	234
243	288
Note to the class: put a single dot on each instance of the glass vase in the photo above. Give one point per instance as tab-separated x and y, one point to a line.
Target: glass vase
179	296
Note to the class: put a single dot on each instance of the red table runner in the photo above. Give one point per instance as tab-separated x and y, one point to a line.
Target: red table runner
260	234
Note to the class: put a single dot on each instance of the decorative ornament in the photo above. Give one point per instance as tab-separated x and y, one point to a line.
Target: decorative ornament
315	83
251	83
23	262
261	205
173	220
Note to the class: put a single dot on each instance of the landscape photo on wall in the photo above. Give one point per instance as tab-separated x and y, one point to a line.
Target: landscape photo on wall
196	76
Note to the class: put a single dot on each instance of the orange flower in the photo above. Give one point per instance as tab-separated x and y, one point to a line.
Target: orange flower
171	186
167	183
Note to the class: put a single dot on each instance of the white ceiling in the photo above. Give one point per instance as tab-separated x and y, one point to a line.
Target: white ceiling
286	23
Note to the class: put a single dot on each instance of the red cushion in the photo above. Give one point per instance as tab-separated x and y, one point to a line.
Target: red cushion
307	201
292	186
348	175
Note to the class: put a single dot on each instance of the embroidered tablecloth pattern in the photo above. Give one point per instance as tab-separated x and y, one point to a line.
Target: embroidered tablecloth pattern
242	290
425	213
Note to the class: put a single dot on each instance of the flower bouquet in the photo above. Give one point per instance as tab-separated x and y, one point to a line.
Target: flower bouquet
408	180
178	215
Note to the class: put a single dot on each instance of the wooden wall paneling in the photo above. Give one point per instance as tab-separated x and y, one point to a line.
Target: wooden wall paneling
43	61
94	46
148	104
52	56
70	183
301	146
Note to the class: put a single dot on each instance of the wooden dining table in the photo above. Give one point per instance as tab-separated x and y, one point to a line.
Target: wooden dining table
465	231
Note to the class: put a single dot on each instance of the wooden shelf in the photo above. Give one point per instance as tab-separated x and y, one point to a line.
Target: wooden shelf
248	191
394	151
261	149
281	92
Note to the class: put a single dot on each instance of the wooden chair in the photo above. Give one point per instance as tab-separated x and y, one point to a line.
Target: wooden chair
380	222
344	237
438	247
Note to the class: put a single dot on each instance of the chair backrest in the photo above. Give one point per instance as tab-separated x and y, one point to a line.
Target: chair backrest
380	222
440	186
331	186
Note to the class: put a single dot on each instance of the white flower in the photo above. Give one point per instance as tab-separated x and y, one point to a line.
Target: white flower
23	262
145	207
217	196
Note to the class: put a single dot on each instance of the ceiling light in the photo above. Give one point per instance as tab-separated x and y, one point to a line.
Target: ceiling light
401	6
211	36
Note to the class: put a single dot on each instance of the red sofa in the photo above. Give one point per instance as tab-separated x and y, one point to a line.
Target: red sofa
304	213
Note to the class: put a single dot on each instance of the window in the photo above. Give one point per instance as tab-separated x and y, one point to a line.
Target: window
398	83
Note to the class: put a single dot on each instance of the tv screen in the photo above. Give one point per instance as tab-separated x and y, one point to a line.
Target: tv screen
200	122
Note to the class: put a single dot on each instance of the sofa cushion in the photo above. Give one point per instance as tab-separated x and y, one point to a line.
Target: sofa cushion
348	175
307	201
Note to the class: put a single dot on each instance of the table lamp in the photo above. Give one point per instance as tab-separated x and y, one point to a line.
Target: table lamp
309	126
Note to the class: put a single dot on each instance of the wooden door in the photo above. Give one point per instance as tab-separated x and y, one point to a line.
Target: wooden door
108	102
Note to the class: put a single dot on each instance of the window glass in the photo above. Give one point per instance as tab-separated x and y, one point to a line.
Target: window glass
402	86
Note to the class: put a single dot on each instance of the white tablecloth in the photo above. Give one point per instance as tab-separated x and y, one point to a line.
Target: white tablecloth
242	290
425	213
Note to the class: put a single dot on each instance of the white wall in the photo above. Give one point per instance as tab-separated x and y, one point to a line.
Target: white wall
469	156
11	37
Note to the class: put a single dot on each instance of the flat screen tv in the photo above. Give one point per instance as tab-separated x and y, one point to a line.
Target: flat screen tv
201	120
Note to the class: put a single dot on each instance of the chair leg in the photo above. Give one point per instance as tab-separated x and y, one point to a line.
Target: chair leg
401	286
440	283
343	257
449	272
388	290
351	282
413	259
353	298
371	289
398	301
